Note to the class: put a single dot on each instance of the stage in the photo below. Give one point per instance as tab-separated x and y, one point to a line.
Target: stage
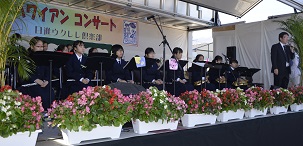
270	130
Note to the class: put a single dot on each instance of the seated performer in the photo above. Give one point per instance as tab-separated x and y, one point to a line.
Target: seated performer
180	84
233	77
117	73
151	76
216	76
76	69
40	77
198	76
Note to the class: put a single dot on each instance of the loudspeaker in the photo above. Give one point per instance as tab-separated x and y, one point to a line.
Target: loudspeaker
231	52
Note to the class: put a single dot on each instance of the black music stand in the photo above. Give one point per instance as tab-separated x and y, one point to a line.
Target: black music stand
56	59
103	59
201	66
131	65
181	64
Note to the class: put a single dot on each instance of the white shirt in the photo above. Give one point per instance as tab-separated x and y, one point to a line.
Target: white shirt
79	57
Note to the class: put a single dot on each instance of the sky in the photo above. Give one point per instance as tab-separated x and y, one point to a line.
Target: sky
260	12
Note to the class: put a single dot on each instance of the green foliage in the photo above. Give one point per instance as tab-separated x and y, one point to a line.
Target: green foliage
18	113
294	26
91	107
155	105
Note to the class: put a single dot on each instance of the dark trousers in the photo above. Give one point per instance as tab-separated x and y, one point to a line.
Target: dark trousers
43	92
178	88
209	86
282	79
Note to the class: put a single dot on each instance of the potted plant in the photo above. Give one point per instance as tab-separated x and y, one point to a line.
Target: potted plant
93	113
283	98
298	95
20	118
202	108
234	102
156	110
258	101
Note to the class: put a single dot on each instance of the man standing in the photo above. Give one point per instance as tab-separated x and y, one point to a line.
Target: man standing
281	56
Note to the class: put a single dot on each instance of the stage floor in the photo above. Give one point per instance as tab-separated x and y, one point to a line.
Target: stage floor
262	130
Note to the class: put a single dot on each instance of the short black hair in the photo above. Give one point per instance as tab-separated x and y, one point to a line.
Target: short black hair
34	41
60	47
282	34
91	50
45	42
16	36
197	57
149	50
69	45
77	43
234	61
217	58
115	49
177	50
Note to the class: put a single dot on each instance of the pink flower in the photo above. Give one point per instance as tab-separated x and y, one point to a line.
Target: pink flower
87	109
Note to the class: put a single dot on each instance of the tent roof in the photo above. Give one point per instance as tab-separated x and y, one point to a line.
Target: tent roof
236	8
140	9
297	4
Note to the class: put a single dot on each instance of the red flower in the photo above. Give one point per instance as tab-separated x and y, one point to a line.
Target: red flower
4	88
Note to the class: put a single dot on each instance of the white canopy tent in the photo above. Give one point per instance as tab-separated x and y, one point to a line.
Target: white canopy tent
253	42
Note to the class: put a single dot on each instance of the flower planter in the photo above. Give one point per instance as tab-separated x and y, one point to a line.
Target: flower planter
278	109
296	107
72	137
20	139
191	120
230	115
254	112
143	127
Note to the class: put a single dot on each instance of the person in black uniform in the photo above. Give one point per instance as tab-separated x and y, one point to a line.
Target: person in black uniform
281	60
215	77
177	77
198	75
117	73
40	77
151	76
76	69
231	74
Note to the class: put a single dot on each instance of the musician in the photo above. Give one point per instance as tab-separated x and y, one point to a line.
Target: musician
177	77
197	76
231	74
76	69
117	73
151	76
92	50
214	77
40	77
62	48
45	46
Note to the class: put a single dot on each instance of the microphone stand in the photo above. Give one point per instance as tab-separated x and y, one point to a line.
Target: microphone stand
164	43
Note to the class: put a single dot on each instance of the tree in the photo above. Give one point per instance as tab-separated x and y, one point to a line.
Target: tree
10	53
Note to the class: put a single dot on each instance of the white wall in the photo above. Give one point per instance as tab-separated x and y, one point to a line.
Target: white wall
253	42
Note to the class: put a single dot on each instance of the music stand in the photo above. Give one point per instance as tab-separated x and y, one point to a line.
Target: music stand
56	59
103	59
132	65
201	66
181	64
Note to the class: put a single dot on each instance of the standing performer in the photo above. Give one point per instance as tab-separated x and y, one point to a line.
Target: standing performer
281	56
295	70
